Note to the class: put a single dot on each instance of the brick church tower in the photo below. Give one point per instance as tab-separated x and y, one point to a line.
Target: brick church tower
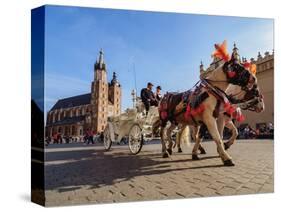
114	95
99	95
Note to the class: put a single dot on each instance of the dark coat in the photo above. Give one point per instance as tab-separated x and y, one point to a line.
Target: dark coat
147	95
148	98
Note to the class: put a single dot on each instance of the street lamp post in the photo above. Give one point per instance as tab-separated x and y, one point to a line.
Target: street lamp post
134	97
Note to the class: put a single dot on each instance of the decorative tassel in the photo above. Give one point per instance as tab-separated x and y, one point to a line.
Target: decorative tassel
237	114
228	108
240	118
231	110
226	105
193	112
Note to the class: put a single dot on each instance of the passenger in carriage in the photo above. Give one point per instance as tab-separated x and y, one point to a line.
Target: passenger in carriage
158	94
148	98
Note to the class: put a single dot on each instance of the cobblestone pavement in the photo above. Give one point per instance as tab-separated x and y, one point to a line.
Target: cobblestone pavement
88	174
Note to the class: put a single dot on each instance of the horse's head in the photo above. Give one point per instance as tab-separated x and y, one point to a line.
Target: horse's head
238	74
253	100
235	72
248	99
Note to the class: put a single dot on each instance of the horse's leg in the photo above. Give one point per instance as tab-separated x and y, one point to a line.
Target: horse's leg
201	149
211	124
169	137
162	132
195	136
179	136
200	135
230	125
179	143
221	124
178	139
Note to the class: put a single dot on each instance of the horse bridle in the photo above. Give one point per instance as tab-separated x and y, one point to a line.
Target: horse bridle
251	99
236	74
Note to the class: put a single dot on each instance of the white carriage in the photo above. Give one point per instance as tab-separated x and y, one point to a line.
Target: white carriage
134	125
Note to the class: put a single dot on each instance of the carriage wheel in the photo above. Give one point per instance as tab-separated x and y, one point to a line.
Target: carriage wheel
107	139
135	139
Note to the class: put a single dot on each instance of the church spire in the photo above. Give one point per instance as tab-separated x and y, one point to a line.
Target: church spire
100	63
101	59
114	80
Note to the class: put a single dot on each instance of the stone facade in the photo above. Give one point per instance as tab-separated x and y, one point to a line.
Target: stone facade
74	115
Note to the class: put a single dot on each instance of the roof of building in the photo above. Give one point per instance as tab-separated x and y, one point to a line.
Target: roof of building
73	101
69	120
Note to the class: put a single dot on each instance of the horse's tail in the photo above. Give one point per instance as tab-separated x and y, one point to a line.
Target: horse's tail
183	137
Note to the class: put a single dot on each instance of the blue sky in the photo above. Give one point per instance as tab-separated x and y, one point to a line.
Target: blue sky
165	48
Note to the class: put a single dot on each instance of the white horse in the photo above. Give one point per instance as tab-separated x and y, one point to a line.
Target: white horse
245	99
213	88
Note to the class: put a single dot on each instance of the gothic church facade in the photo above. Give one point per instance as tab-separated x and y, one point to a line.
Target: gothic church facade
72	116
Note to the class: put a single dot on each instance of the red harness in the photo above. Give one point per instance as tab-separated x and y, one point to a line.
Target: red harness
191	112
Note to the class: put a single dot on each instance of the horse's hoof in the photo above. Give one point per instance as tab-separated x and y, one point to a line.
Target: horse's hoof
179	150
202	151
226	146
170	151
195	157
165	155
228	163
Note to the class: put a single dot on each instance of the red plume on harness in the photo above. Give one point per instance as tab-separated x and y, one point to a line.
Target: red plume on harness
221	51
247	65
251	67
